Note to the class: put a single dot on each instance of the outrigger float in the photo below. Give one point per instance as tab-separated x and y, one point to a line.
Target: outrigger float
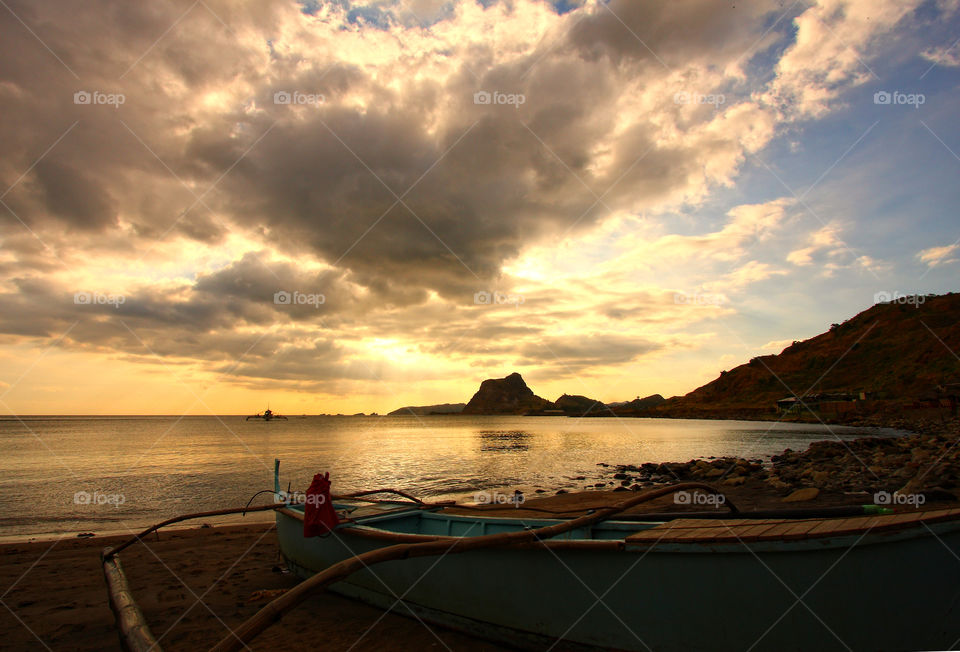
856	577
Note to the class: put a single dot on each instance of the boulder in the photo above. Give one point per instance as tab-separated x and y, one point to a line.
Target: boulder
802	495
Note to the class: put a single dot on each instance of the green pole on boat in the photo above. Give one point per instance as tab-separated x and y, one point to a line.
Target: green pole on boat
830	511
876	509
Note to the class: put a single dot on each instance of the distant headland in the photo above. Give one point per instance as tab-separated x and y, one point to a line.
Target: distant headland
888	365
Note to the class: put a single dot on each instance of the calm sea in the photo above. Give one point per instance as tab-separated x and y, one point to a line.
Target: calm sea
65	475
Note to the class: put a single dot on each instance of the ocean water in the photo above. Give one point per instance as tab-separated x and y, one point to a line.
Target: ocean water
64	475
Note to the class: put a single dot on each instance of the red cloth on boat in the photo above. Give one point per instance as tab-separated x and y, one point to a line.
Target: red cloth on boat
319	516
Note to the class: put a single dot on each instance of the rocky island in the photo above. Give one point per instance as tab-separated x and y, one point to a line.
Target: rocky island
511	395
508	395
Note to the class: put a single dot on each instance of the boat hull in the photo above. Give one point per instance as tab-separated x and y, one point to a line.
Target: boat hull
893	591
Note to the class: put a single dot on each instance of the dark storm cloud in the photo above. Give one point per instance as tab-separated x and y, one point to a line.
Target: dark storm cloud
399	181
197	321
496	178
323	177
71	193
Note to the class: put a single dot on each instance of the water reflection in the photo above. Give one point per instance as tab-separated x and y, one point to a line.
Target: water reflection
504	440
164	466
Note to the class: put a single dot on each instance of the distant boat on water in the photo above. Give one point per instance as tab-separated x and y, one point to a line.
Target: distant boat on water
267	415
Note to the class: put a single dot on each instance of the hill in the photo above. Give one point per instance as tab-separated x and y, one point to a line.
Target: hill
423	410
574	405
637	405
508	395
891	355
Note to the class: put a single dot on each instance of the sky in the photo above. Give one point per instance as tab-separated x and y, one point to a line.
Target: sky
339	207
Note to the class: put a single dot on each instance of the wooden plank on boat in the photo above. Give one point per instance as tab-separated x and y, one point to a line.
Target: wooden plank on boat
681	534
781	530
685	523
746	530
939	515
690	530
753	532
717	523
844	527
800	529
653	534
894	521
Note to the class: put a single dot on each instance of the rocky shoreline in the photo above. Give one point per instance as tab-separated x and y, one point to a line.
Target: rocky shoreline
911	470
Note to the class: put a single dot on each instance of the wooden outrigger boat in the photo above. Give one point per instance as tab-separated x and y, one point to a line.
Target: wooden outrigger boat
605	580
888	582
268	415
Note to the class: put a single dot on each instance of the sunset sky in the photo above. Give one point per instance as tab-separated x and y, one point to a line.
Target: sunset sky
206	206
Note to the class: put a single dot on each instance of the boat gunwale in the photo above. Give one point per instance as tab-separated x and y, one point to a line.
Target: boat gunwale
367	532
941	521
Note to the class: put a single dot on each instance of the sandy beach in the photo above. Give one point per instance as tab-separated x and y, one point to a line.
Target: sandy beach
56	598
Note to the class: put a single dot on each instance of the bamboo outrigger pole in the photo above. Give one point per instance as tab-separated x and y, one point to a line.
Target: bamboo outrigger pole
135	634
134	631
275	610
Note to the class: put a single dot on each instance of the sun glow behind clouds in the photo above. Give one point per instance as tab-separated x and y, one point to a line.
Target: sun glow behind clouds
627	228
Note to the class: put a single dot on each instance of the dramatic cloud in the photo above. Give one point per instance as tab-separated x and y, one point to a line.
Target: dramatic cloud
829	53
314	194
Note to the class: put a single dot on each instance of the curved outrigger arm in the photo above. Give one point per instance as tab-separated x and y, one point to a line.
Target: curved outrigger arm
135	634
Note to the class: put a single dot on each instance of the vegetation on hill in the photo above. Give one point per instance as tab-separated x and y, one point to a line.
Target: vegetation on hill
897	353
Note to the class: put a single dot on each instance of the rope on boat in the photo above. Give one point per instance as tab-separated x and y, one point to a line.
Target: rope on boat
358	494
279	607
263	491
